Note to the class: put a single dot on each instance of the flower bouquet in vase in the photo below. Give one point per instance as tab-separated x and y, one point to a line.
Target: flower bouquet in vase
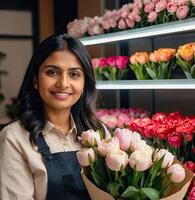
125	167
186	59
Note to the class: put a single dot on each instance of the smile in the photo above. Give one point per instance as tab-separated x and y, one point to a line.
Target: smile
61	95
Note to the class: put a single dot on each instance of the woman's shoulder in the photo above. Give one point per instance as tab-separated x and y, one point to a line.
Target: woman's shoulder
12	131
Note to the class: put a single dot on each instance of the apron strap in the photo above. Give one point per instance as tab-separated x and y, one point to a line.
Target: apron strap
43	148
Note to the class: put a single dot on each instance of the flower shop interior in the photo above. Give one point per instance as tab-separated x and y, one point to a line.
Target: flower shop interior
143	56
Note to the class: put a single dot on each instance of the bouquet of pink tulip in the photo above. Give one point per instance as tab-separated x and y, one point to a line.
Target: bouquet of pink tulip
111	68
186	59
126	167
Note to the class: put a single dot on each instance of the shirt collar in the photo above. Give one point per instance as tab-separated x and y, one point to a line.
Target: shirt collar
50	126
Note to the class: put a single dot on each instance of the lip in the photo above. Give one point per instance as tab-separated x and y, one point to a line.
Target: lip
61	95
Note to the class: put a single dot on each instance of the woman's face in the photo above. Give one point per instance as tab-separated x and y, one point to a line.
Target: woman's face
60	81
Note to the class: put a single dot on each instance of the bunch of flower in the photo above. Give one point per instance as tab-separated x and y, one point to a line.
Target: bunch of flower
111	68
156	65
140	13
186	59
120	117
126	167
174	132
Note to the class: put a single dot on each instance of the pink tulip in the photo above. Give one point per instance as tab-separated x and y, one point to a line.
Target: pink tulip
183	2
124	136
171	7
182	12
140	145
124	11
122	61
95	63
149	7
146	1
152	16
192	194
109	120
138	4
193	2
177	173
116	160
107	146
83	156
112	22
105	24
168	157
90	136
140	161
111	60
103	62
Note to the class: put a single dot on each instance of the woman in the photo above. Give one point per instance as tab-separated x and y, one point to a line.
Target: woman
56	103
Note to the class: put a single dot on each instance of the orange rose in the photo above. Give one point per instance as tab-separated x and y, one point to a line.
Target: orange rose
186	52
154	57
142	57
166	54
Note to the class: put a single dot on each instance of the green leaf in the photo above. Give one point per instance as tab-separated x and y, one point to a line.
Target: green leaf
192	71
151	193
114	188
151	73
100	168
131	193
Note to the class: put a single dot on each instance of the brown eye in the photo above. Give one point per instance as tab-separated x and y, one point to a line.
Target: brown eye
52	72
75	74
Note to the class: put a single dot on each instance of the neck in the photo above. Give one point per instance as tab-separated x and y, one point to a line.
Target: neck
60	119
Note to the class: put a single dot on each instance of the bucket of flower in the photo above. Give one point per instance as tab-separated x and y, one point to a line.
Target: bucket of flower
125	167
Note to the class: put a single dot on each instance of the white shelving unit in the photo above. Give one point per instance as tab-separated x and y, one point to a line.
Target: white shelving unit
187	25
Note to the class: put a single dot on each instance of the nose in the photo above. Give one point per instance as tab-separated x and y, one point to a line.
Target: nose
63	81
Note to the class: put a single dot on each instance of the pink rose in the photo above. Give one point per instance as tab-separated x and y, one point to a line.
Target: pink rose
168	157
90	136
117	160
122	24
192	194
152	16
182	12
149	7
162	5
107	146
124	136
175	139
83	156
171	7
130	23
140	161
177	173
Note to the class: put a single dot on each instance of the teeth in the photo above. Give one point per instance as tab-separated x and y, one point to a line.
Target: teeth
61	94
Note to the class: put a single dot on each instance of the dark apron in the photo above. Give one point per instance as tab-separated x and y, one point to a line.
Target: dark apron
63	171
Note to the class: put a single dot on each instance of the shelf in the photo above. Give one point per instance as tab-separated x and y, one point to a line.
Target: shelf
155	30
147	84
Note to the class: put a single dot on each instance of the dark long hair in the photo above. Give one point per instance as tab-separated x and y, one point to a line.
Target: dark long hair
30	106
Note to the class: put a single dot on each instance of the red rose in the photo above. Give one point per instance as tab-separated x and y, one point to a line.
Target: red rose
190	165
175	139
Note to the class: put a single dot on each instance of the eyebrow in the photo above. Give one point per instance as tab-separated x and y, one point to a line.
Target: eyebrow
56	67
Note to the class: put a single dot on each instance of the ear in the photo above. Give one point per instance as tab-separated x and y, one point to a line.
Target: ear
35	83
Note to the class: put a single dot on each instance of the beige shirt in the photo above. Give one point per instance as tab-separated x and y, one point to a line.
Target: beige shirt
23	174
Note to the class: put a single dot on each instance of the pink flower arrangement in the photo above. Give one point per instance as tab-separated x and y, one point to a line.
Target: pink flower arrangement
139	13
174	131
120	169
111	68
